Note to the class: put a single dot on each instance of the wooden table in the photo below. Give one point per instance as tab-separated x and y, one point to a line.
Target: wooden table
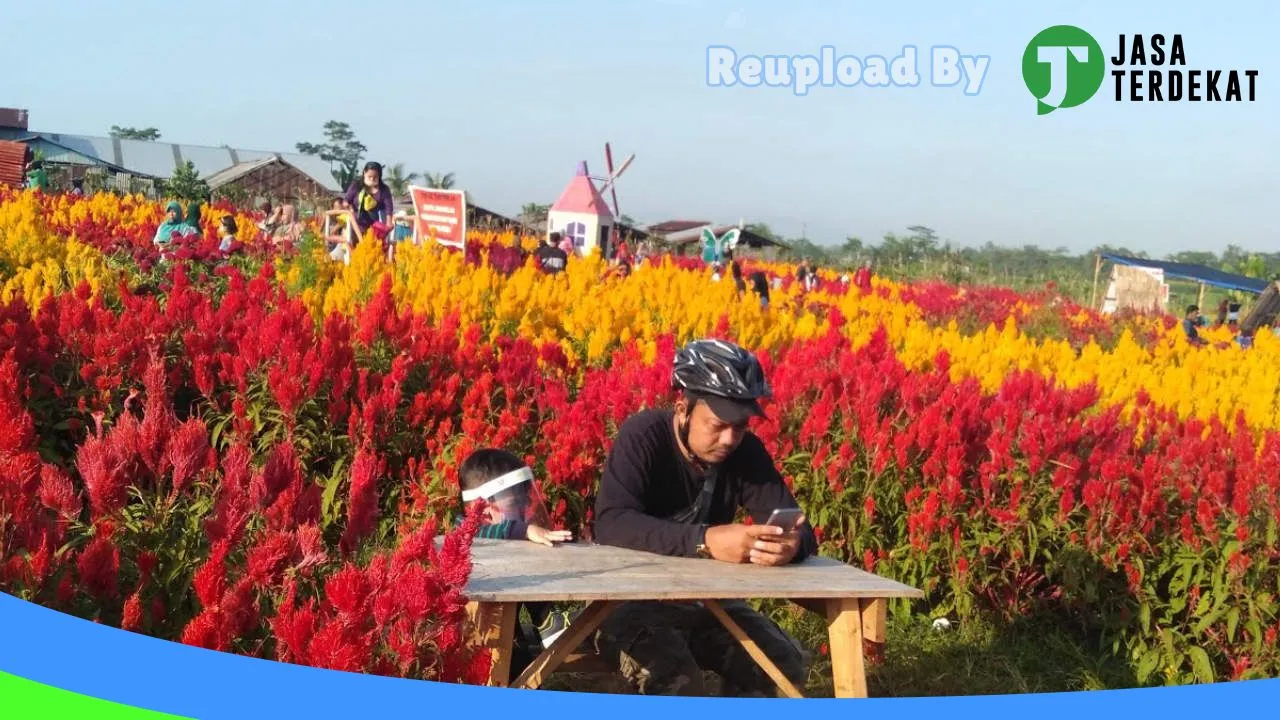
506	573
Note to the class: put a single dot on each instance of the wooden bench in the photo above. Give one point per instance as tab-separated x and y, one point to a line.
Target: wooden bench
505	574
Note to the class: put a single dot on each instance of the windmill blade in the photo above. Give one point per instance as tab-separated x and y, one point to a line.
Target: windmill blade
613	191
623	167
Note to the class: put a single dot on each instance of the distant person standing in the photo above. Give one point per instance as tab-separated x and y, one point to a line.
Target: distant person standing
566	244
1222	312
810	279
804	274
1189	323
862	277
371	199
551	259
735	271
760	285
36	177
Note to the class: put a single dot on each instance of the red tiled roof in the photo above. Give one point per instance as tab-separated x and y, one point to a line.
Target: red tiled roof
581	196
13	163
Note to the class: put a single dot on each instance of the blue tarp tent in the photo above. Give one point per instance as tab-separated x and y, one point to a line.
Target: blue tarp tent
1196	273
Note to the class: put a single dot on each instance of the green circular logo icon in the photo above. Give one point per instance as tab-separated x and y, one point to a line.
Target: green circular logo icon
1063	66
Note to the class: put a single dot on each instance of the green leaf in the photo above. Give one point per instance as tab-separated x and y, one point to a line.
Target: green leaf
1206	622
1166	640
1233	620
1148	664
1144	617
1202	606
1254	628
1200	664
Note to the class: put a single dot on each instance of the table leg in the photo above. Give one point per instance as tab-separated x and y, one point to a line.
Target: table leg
784	684
573	636
875	619
845	631
495	628
875	622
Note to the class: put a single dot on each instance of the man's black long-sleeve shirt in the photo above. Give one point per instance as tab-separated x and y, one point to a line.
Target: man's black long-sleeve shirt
647	481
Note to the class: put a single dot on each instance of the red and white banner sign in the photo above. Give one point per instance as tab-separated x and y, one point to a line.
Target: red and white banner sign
442	212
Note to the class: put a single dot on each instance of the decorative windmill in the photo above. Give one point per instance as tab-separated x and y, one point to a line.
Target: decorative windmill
610	182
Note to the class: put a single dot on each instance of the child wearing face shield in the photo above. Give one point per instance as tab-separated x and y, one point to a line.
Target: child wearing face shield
513	510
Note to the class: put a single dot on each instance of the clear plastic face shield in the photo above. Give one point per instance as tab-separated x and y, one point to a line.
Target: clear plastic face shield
513	496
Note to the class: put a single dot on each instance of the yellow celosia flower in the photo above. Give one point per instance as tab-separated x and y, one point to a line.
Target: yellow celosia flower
589	315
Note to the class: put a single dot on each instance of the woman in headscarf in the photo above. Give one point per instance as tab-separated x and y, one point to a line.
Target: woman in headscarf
192	217
371	199
173	223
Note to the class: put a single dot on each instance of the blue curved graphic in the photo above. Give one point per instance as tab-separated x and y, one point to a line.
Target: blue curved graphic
111	664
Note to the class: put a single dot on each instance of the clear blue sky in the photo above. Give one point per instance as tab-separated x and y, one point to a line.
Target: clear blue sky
511	95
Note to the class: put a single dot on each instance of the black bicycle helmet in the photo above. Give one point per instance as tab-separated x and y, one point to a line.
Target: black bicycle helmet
723	374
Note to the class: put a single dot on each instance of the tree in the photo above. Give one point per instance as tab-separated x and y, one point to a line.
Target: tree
763	230
805	248
1195	257
398	181
852	248
186	184
439	181
340	147
128	133
923	239
627	220
237	195
534	214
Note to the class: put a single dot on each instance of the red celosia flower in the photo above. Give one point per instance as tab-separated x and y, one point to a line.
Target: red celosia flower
362	503
98	566
131	619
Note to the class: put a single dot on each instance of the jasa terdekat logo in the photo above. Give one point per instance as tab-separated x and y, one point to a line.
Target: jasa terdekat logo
1064	66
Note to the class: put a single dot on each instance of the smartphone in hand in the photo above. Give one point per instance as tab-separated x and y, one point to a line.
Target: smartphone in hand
786	518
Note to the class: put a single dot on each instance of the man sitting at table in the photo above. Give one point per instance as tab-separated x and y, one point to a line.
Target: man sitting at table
673	484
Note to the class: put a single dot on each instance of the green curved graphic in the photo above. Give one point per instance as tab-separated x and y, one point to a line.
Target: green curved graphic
21	699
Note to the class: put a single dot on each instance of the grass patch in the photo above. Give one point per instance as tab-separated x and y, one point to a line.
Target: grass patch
973	658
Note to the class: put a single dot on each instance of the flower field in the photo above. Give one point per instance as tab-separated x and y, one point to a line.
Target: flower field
253	455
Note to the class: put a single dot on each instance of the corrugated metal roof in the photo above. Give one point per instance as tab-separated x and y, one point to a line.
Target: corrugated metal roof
54	152
239	170
13	163
673	226
159	159
745	237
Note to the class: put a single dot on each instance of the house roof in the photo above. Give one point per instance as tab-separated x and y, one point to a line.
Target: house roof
485	215
1198	273
581	196
693	233
56	152
239	170
634	232
675	226
160	159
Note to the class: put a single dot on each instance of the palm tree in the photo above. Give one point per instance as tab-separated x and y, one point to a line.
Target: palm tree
398	181
441	181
